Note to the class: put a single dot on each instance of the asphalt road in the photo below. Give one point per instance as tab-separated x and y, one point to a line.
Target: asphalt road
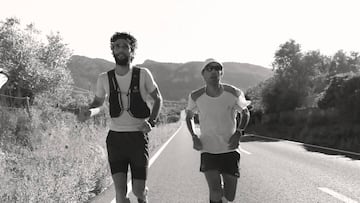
271	171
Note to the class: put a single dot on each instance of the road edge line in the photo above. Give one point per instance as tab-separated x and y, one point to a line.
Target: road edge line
244	151
153	158
337	195
310	145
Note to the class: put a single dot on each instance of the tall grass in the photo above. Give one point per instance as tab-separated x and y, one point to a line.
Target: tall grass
54	158
312	126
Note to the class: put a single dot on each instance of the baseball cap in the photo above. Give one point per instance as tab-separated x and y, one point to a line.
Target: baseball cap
211	60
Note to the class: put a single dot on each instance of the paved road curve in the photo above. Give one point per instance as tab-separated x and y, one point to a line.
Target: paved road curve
271	171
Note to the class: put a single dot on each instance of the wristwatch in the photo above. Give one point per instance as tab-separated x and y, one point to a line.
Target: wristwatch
151	122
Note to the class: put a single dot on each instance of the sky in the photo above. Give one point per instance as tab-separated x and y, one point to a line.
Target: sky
245	31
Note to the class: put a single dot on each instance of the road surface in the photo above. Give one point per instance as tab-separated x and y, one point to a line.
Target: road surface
271	171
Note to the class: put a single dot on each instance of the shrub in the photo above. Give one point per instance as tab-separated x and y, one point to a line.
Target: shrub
287	118
173	118
66	162
343	93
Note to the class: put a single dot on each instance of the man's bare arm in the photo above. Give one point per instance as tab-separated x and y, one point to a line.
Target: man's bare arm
93	109
96	106
158	101
189	124
97	102
197	145
244	121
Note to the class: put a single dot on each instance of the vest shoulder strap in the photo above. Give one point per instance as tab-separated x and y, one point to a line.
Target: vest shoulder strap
113	85
231	89
135	79
197	93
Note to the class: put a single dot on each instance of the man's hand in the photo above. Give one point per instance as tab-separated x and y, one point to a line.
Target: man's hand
197	145
84	114
234	140
145	127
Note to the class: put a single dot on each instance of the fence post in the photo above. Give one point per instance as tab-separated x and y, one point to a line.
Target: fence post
28	106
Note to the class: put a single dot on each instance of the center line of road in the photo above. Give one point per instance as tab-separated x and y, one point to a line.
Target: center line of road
337	195
152	159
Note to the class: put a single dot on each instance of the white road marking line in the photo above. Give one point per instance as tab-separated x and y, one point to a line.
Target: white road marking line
337	195
152	160
310	145
243	150
155	156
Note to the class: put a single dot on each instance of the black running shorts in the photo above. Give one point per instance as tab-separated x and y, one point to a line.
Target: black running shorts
128	149
227	163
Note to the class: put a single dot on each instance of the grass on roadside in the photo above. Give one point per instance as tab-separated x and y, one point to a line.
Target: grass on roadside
54	158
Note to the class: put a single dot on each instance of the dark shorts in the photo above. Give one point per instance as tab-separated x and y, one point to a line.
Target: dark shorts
225	163
128	149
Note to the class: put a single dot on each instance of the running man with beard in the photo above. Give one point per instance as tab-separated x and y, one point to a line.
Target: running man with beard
127	88
217	105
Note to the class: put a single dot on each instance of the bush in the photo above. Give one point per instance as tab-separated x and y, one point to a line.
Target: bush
65	163
173	118
16	127
339	136
287	118
323	117
343	93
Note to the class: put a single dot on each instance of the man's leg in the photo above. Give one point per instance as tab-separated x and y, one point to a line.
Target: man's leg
230	174
117	143
120	183
139	166
230	184
140	190
213	179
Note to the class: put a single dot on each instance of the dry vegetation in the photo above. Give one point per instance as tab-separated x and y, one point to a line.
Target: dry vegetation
311	126
54	158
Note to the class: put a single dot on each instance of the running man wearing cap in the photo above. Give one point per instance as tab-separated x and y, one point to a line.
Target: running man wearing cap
217	104
127	88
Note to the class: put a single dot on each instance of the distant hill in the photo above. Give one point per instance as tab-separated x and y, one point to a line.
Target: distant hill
175	80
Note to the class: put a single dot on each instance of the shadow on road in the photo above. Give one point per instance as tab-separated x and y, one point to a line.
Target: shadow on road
350	155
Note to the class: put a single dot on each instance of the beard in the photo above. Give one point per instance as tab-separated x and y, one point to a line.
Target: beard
122	61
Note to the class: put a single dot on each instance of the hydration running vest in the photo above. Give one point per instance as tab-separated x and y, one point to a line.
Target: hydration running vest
137	106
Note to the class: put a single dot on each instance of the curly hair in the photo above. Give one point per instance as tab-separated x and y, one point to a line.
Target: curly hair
127	36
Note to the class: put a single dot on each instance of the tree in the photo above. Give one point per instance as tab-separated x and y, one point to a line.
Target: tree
341	62
286	91
354	62
286	58
295	78
35	68
343	93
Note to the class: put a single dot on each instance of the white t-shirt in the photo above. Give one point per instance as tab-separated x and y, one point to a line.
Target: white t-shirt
217	116
125	122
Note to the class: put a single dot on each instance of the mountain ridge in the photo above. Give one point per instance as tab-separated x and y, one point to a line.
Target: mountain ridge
175	80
